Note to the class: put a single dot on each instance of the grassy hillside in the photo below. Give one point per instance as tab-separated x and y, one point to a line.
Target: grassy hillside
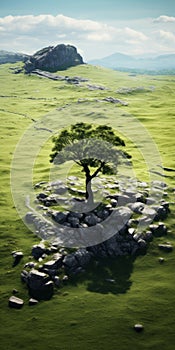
79	316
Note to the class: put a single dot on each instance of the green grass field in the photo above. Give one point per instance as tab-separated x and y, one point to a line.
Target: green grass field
87	314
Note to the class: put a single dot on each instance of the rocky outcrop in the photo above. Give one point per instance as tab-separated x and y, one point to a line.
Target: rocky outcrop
53	59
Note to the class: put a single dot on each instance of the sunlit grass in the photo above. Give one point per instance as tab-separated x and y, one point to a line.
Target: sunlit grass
87	314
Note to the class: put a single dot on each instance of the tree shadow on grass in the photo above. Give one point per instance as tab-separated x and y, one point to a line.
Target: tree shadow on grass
108	275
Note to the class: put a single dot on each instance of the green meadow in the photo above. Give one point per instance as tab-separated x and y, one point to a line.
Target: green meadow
87	313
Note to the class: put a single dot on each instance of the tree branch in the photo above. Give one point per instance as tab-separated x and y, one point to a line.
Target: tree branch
98	170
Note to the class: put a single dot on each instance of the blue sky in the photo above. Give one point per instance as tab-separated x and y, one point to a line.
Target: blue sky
95	9
96	27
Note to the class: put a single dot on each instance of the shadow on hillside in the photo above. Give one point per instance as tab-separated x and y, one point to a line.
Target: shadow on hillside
108	275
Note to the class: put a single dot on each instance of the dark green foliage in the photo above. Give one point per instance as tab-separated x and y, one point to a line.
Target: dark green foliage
89	146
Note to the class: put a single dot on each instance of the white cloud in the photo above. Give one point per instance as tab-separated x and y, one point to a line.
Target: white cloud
167	35
135	34
164	19
96	39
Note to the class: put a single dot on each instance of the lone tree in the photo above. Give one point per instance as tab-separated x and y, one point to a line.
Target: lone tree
94	148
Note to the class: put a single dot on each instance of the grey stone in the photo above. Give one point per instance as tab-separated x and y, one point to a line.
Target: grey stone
166	247
38	250
113	202
73	221
55	263
30	264
36	279
161	212
103	214
40	286
145	221
147	236
83	257
136	207
33	302
91	219
29	218
70	261
131	230
150	200
42	197
159	184
59	217
61	190
142	243
147	211
15	302
158	230
138	327
17	257
124	199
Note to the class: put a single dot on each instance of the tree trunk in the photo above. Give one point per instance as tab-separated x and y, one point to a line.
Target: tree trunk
89	193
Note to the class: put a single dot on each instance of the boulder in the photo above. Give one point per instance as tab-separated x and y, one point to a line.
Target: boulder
137	207
74	221
55	263
75	262
38	250
162	212
15	302
59	217
83	257
40	286
158	230
91	219
53	59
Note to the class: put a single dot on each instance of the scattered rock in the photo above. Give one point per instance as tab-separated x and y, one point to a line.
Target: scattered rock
59	217
161	260
15	302
38	250
115	100
17	257
33	302
138	328
137	207
158	230
91	219
166	247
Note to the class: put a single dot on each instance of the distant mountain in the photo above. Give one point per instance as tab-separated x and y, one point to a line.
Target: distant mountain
11	57
119	61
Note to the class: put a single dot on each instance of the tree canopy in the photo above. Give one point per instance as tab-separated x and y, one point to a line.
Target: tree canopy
94	148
